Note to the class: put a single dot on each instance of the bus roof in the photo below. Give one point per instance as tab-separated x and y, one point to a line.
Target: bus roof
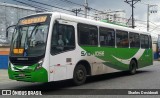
92	22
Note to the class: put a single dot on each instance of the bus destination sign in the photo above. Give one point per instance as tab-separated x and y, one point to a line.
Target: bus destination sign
33	20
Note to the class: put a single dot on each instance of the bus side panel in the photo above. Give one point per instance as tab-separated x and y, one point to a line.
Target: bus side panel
146	59
100	58
111	56
118	58
62	66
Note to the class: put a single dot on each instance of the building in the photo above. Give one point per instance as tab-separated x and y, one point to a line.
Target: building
9	15
118	17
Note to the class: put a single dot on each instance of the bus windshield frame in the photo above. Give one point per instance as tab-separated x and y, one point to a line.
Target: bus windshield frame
30	36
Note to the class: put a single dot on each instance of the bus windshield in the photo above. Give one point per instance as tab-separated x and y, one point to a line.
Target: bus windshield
30	40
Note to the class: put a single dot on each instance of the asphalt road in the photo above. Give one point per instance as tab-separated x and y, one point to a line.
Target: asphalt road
146	78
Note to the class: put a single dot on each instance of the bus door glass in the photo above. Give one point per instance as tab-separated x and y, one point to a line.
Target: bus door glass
63	38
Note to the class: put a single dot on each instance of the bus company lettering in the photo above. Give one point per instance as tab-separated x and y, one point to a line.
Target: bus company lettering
96	53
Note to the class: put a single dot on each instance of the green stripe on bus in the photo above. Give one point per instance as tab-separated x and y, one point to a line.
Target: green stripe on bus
123	53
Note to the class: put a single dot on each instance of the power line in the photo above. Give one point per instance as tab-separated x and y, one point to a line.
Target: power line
153	23
90	8
85	5
67	1
60	3
38	7
49	5
156	28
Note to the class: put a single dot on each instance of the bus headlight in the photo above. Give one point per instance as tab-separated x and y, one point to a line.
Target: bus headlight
39	66
11	66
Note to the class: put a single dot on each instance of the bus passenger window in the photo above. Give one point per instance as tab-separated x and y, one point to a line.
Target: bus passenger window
107	37
134	40
87	35
122	38
63	38
144	41
150	42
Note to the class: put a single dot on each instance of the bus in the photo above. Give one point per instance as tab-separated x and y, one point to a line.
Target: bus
54	46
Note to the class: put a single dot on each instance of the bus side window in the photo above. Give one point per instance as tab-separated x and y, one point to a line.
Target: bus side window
134	40
122	38
137	41
107	37
87	35
144	41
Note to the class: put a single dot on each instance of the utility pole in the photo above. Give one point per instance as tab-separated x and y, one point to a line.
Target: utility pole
148	14
148	17
133	24
85	8
132	3
76	11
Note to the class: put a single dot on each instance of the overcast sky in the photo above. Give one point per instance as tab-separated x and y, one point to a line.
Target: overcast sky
140	8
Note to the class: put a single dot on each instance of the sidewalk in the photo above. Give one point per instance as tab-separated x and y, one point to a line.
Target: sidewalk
4	76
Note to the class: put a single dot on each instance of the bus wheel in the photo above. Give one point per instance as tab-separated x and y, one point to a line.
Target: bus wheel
79	76
132	67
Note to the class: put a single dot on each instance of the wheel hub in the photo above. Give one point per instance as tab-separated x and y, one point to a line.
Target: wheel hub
80	74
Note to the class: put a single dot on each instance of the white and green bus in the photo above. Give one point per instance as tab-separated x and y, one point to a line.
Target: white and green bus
55	46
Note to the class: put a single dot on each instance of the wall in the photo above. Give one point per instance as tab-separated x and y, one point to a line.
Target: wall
9	15
4	52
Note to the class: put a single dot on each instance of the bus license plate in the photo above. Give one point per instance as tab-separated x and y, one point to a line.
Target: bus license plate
22	75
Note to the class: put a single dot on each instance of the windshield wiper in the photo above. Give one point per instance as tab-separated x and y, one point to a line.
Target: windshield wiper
34	29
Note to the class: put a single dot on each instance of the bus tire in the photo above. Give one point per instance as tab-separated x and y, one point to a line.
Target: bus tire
79	75
132	67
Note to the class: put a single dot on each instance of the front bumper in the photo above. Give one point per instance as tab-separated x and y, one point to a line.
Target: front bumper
39	75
